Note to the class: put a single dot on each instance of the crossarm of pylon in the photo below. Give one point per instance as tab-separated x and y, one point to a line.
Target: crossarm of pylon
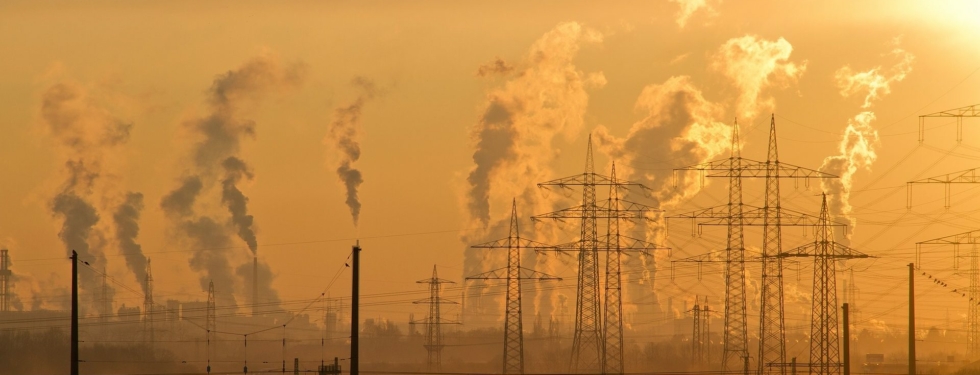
968	111
968	176
837	252
600	211
965	238
751	168
582	179
441	321
525	274
437	300
755	216
506	243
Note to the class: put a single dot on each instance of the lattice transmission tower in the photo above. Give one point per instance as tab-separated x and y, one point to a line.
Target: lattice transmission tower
210	321
971	238
433	322
597	346
514	274
701	337
772	217
824	331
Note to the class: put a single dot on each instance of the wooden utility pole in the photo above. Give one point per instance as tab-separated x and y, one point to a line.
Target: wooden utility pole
355	305
847	341
74	313
911	318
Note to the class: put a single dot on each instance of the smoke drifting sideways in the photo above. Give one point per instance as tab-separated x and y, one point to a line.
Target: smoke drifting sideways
754	64
536	100
217	163
856	149
689	7
681	127
344	134
126	219
87	136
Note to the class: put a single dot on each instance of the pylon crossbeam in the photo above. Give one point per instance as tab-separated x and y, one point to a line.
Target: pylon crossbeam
968	111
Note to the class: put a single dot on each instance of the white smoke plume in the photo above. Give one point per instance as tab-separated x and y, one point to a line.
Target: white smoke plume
344	135
859	140
216	161
689	7
754	64
541	97
87	136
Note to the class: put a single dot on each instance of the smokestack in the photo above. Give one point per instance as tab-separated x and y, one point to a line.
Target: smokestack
255	285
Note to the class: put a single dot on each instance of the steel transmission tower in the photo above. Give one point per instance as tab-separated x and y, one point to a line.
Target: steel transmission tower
701	337
514	274
971	238
596	347
148	305
824	333
969	176
772	217
433	322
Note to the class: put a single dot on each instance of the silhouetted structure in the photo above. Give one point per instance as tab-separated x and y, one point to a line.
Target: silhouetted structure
514	274
971	238
433	322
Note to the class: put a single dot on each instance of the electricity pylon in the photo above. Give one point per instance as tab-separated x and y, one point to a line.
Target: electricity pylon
971	238
969	176
772	324
433	322
701	337
148	305
597	346
514	274
824	333
958	114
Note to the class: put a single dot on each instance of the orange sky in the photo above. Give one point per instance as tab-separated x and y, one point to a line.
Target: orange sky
151	65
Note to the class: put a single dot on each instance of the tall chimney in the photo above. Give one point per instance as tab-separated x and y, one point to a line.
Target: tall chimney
255	285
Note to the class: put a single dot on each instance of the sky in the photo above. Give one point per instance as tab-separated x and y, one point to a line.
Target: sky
440	114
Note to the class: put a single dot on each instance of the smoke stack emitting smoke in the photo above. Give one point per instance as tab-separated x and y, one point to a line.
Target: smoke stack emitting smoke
126	219
88	135
344	134
859	139
217	160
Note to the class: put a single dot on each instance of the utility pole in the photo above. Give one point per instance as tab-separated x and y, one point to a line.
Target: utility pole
824	338
911	318
74	313
847	340
355	306
514	274
433	322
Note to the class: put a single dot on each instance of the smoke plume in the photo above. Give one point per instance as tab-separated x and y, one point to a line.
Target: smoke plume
216	162
86	135
856	149
689	7
754	64
344	134
513	140
126	219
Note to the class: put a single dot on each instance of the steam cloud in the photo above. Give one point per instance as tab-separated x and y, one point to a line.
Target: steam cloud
513	141
688	8
754	64
681	128
344	132
856	149
86	134
217	161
